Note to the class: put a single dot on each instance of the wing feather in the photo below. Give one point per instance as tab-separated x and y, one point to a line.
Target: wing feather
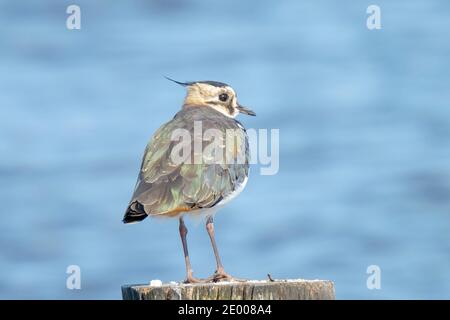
166	188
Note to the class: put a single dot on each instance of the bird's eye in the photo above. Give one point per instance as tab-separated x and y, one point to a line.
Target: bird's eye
223	97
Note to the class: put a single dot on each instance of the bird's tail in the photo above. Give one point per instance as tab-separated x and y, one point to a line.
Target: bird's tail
135	213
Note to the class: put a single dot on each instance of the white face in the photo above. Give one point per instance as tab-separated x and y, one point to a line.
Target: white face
222	99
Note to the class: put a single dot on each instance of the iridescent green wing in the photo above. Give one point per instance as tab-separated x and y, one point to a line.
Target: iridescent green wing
166	187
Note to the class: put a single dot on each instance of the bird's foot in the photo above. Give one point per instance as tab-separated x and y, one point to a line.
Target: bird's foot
190	279
221	275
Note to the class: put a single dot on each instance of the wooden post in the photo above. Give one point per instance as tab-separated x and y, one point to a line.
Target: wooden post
248	290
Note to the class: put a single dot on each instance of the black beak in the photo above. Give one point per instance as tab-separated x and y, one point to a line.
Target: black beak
245	110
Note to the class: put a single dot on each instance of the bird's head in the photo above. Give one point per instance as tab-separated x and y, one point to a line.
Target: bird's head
216	95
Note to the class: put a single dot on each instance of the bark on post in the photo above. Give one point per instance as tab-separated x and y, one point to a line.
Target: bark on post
248	290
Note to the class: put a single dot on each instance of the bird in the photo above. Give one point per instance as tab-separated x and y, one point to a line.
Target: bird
189	188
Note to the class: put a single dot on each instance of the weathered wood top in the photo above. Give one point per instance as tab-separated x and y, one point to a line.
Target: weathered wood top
248	290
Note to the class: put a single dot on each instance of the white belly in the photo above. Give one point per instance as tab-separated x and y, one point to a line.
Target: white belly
233	194
208	212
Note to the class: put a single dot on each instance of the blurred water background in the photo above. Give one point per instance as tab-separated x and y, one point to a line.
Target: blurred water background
364	121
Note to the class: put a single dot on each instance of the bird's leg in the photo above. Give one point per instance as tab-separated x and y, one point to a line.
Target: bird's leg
220	273
183	233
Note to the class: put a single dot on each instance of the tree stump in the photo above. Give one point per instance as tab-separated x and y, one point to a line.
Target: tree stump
247	290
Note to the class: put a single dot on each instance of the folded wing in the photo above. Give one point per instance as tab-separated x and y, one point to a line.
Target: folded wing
167	188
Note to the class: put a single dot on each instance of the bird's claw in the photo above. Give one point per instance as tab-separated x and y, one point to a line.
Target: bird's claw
191	279
221	275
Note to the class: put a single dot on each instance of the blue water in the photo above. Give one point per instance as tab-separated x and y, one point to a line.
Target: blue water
364	121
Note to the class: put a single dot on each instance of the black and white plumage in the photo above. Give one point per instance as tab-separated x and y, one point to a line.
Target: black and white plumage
165	188
200	184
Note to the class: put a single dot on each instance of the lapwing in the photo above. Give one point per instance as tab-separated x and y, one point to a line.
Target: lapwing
169	188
